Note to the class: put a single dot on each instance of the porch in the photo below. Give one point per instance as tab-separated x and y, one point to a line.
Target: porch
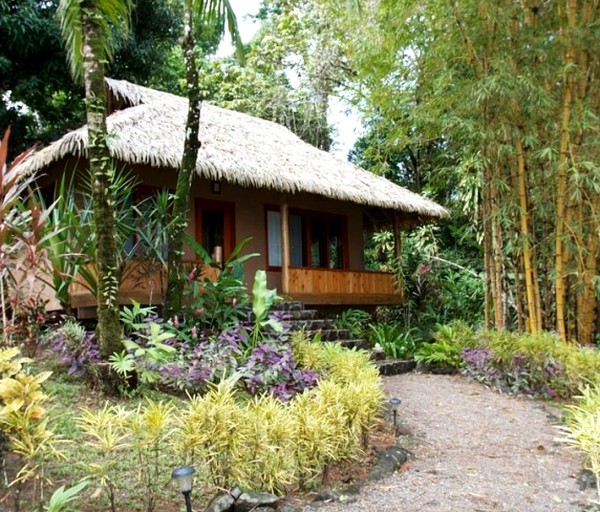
308	285
343	287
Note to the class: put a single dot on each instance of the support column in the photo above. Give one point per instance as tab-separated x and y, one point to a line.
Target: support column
397	237
285	249
398	280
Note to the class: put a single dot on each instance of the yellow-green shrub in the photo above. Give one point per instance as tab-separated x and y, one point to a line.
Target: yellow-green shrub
24	420
110	440
320	437
582	428
207	433
308	353
265	457
573	365
258	443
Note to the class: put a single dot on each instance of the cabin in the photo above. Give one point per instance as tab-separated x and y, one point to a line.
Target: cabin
306	210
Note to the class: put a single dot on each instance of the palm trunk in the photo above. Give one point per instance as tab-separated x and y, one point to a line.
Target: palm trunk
109	327
176	274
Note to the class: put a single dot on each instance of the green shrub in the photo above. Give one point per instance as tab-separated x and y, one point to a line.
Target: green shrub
445	353
355	321
538	364
395	342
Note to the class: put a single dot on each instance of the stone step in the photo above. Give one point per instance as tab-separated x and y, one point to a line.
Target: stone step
288	305
395	366
304	314
329	334
312	325
358	344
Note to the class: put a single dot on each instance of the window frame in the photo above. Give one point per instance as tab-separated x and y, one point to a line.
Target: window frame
307	216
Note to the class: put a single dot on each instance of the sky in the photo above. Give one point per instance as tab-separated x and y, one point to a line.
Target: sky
345	120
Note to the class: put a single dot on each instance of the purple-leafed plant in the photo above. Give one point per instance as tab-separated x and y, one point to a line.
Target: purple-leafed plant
207	360
519	375
272	368
77	350
480	364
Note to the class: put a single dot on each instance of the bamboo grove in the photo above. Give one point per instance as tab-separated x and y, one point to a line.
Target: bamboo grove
511	89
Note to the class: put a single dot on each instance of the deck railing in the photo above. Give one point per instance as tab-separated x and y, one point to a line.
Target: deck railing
336	286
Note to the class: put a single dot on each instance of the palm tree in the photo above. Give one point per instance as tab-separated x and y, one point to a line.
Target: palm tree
202	18
87	27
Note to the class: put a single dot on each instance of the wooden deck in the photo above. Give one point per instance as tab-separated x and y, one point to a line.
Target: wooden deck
309	285
140	284
343	287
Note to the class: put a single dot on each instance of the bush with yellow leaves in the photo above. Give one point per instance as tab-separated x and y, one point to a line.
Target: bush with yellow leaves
255	442
24	422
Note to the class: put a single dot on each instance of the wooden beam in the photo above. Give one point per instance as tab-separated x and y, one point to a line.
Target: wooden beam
348	299
285	249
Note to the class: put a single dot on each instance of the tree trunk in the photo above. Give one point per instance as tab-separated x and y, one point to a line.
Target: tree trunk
176	274
533	313
101	169
563	163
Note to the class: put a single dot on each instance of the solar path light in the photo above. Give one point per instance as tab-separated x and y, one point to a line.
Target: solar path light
184	478
394	403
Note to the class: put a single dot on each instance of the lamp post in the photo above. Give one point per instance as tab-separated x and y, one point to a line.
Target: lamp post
394	403
184	477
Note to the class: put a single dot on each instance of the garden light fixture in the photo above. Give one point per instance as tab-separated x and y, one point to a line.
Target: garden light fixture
184	477
394	403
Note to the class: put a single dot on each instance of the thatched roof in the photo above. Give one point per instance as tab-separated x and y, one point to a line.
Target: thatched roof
236	148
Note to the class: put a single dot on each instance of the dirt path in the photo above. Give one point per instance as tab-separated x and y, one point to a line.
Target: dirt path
476	451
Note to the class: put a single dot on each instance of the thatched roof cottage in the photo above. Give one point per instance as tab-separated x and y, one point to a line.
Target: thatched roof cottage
306	210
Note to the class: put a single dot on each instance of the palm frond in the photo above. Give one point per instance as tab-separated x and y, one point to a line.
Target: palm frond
70	16
220	16
109	15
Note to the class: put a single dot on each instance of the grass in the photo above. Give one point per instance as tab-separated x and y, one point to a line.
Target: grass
69	397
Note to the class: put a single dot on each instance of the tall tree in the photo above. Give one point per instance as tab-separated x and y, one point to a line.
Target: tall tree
513	90
202	19
86	26
38	95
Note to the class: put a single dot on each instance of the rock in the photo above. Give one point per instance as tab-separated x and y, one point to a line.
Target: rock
326	495
253	500
388	461
286	507
586	480
395	366
221	503
236	492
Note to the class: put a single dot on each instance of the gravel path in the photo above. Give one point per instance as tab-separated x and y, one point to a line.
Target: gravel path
476	450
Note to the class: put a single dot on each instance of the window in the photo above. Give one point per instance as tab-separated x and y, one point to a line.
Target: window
274	236
215	227
145	213
316	239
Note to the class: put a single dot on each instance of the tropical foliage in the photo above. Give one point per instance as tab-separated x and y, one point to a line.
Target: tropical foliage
497	101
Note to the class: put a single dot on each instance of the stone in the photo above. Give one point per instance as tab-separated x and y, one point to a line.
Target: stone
388	461
253	500
286	507
327	495
236	492
221	503
586	480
